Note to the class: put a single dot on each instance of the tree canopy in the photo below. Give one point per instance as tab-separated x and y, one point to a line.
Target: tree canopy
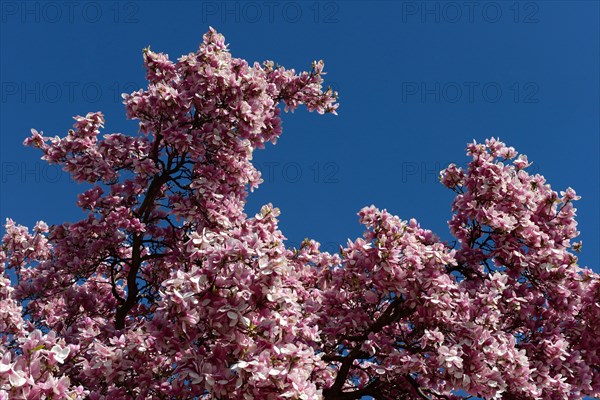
168	290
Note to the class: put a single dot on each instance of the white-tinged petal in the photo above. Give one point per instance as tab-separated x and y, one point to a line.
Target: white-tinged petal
60	353
16	379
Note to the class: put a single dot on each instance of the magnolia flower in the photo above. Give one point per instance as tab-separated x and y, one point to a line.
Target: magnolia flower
59	353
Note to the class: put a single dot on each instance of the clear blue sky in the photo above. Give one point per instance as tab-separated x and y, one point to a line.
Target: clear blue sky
417	81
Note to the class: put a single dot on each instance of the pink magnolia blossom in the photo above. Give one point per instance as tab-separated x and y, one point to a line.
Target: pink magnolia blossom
167	290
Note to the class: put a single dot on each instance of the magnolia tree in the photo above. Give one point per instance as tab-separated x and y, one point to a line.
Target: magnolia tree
167	290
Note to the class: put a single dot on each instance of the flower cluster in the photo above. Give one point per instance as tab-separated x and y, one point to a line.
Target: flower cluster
34	373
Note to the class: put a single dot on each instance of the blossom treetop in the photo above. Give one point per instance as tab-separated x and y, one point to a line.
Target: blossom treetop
167	290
